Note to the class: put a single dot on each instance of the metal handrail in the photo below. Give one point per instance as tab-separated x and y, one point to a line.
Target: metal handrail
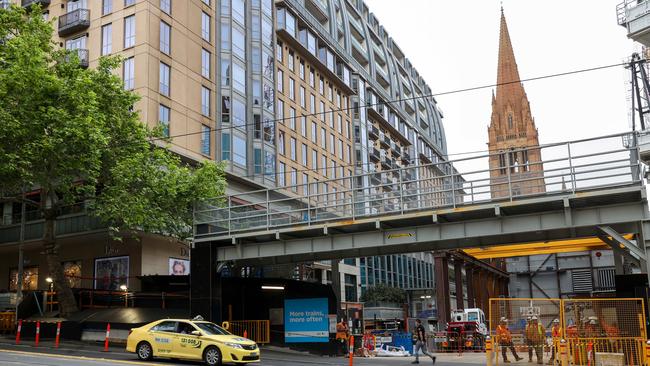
570	168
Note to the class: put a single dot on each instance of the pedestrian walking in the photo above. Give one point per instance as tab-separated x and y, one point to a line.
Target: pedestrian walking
504	339
421	342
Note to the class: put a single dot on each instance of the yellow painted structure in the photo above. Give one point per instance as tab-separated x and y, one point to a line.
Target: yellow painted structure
543	247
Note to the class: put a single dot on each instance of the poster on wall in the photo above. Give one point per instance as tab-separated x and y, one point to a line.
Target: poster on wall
111	273
30	279
72	271
179	267
306	321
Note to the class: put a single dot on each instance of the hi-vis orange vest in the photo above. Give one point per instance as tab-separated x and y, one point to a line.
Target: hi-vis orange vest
556	331
504	334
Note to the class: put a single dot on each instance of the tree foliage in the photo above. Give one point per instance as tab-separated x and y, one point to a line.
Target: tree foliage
384	293
73	133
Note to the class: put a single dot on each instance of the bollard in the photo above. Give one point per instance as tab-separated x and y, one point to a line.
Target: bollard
590	354
20	327
108	334
58	335
647	353
38	334
245	333
488	350
564	356
351	350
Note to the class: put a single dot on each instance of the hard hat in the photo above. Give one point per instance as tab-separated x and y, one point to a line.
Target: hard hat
528	318
503	319
556	321
533	318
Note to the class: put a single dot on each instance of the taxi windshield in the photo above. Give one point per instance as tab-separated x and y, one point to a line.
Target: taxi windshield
211	329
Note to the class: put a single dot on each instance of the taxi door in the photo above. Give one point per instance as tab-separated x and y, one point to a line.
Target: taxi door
185	344
162	337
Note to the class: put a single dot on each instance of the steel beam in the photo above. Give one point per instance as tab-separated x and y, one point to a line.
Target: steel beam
623	217
441	268
469	278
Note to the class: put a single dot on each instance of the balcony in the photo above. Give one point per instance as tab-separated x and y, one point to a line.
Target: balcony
29	3
373	132
375	179
387	163
74	21
406	157
385	141
375	155
635	17
397	151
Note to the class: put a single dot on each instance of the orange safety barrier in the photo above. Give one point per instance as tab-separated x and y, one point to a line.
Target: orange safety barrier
255	330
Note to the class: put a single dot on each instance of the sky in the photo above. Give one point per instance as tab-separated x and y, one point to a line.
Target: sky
454	45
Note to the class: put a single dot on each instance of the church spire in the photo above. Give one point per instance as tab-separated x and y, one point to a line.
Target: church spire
507	71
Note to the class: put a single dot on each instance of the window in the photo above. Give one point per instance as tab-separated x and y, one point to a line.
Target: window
281	174
323	164
322	111
206	2
278	51
303	154
238	113
292	148
305	183
281	143
301	69
107	39
292	118
205	101
332	147
303	126
129	31
239	78
340	148
225	36
107	7
256	55
128	73
311	78
225	146
323	138
256	31
205	140
290	61
314	133
128	3
339	123
292	89
257	161
225	8
166	6
205	26
280	81
239	150
225	72
329	93
257	93
163	118
294	179
165	35
321	86
314	160
302	97
166	326
205	63
312	103
164	79
238	11
238	43
280	110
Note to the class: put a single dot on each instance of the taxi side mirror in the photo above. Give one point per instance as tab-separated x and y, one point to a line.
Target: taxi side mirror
196	333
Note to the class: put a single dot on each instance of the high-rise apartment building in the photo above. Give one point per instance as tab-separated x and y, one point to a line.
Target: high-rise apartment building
288	93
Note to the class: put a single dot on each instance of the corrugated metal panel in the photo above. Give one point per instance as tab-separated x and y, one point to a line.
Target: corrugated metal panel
582	280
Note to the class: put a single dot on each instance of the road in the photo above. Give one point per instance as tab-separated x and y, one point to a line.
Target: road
92	355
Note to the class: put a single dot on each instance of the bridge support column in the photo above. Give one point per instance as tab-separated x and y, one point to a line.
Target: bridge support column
469	278
458	274
441	268
205	283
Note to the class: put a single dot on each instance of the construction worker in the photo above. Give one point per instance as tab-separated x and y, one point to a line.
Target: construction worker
504	339
528	341
342	336
535	335
556	333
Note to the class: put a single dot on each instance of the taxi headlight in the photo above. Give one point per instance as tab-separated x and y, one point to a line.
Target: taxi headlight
234	345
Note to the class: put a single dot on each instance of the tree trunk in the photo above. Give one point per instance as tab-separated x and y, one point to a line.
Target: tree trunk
67	303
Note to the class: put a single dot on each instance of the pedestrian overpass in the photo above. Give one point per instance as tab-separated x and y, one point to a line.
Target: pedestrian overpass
591	188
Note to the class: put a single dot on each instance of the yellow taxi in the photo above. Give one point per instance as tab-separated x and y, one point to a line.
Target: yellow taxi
191	340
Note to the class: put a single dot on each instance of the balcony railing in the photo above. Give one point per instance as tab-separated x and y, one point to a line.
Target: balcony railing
29	3
74	21
82	55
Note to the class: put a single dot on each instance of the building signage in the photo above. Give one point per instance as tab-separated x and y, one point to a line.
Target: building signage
306	321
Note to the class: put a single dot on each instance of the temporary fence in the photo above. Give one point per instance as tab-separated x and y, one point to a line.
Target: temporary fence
255	330
595	331
7	321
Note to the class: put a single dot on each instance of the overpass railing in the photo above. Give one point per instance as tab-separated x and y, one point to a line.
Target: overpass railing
558	168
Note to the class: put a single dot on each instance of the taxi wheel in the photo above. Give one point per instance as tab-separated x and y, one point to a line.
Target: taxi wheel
212	356
144	351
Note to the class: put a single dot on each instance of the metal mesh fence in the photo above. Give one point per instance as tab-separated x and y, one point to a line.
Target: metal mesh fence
597	331
605	330
522	328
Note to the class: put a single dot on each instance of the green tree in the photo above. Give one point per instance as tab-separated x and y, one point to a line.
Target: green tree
73	134
384	293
